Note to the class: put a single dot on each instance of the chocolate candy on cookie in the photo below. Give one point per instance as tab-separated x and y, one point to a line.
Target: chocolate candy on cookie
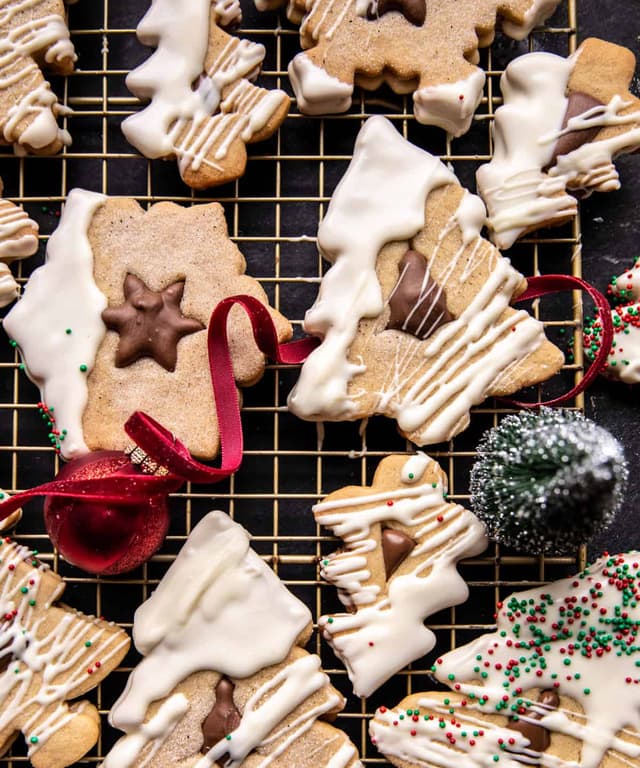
414	312
224	680
556	684
204	107
116	320
49	655
402	541
562	123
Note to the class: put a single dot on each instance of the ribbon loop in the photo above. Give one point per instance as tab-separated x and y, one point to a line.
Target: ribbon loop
544	285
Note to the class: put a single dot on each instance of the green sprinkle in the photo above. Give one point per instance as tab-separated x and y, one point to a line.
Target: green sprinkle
411	475
228	737
68	331
32	602
34	739
24	590
83	368
88	644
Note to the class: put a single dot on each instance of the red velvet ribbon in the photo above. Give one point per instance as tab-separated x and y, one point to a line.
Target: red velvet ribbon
133	487
546	284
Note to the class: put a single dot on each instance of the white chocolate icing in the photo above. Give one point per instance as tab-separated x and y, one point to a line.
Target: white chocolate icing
187	116
34	36
60	296
387	632
221	608
380	199
317	92
584	649
623	360
9	288
230	597
44	666
13	519
538	13
520	194
450	105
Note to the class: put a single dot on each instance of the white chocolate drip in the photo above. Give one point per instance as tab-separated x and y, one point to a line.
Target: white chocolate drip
386	633
62	296
57	659
9	288
181	119
519	193
48	34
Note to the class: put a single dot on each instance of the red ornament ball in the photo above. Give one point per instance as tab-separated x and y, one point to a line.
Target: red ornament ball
105	538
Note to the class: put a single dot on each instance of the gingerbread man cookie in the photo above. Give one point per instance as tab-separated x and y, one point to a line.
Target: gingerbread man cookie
34	33
428	47
116	320
203	106
18	239
556	684
49	654
562	123
414	313
224	680
402	540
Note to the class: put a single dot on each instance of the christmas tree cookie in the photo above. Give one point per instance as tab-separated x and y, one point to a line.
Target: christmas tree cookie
49	654
414	314
203	106
402	541
224	680
556	684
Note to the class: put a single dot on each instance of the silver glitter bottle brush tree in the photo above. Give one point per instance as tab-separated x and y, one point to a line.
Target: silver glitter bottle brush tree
545	482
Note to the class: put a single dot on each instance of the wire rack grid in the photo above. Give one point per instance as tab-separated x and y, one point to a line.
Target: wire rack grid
273	213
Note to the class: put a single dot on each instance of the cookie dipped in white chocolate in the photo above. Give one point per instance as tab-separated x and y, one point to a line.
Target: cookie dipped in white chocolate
561	124
414	312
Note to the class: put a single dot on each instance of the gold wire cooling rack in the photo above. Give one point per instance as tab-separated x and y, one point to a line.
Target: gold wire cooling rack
273	212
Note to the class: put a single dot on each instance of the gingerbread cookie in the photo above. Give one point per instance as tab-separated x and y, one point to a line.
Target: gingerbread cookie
623	362
402	540
414	313
203	106
13	519
18	239
428	47
562	123
116	320
556	684
224	679
49	654
34	33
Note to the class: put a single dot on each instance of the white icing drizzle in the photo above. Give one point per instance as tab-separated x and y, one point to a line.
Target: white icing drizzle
344	757
180	118
387	632
382	198
450	105
538	12
215	599
518	192
585	649
13	518
291	686
14	219
43	667
60	296
28	39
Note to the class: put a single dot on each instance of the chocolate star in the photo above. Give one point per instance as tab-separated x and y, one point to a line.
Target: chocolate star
150	323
